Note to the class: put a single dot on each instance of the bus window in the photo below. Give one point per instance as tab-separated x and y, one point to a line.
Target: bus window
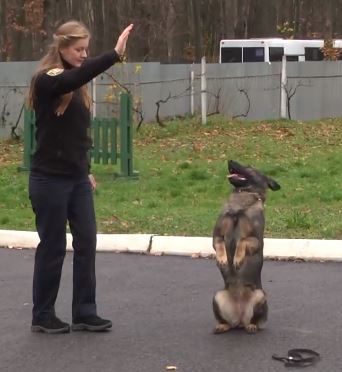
276	54
313	54
231	55
253	54
292	58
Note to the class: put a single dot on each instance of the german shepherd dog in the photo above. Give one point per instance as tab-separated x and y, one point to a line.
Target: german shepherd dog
238	241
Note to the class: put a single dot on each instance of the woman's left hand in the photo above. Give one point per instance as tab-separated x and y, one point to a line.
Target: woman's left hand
92	182
122	40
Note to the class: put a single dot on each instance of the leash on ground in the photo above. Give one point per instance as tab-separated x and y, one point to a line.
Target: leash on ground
298	358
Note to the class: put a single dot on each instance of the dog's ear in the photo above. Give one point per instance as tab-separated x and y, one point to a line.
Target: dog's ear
272	184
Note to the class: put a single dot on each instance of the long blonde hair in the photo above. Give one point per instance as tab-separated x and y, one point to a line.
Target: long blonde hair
66	34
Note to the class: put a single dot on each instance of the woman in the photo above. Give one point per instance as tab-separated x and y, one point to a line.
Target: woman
60	184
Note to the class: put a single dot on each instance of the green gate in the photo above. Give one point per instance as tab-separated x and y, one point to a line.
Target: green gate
107	146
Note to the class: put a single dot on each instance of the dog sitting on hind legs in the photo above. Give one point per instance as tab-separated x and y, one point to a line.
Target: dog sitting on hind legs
238	240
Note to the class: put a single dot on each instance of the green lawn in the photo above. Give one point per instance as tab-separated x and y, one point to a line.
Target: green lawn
182	179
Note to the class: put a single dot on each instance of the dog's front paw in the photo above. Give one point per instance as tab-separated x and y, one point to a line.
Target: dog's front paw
221	328
251	328
238	260
222	263
221	254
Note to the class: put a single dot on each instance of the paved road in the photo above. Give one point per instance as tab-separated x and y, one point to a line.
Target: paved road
161	310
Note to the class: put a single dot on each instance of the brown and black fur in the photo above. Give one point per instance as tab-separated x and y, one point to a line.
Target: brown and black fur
238	240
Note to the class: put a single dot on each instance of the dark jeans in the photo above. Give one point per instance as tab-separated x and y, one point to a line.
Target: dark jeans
55	201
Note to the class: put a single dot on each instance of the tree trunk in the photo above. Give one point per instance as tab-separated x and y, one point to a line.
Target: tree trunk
196	11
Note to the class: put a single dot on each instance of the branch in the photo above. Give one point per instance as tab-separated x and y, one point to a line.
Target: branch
217	97
248	106
182	94
129	92
290	92
117	82
141	120
158	108
14	135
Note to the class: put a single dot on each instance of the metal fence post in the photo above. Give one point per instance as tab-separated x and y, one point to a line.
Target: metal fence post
283	95
204	91
192	91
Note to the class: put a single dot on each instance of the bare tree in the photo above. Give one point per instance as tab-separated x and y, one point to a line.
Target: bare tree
174	31
290	91
196	16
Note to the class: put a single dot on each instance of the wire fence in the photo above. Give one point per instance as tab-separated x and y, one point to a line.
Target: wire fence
244	90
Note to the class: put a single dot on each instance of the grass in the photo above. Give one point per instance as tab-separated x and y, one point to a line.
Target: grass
182	179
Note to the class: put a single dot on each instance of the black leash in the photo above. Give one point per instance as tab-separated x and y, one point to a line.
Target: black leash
298	358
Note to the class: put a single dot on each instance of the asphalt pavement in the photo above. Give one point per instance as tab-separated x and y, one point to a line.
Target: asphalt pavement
162	317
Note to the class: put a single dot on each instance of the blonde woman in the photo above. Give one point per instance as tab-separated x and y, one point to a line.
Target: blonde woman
60	184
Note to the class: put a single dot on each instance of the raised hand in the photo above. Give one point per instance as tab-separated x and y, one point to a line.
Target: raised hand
122	40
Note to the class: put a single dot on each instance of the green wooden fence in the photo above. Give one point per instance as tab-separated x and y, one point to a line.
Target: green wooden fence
105	140
108	144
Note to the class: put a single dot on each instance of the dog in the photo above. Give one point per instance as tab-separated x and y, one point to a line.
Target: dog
238	242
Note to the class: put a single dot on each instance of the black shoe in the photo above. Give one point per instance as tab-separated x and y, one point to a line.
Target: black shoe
51	325
92	323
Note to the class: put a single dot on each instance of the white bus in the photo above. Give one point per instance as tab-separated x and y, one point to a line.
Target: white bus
272	50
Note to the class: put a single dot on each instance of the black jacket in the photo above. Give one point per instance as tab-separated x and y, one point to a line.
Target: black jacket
63	141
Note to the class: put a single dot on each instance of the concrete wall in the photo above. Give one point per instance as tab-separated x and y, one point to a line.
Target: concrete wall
250	90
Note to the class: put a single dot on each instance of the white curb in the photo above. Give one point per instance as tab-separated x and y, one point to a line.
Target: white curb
182	245
306	249
18	239
137	243
303	248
